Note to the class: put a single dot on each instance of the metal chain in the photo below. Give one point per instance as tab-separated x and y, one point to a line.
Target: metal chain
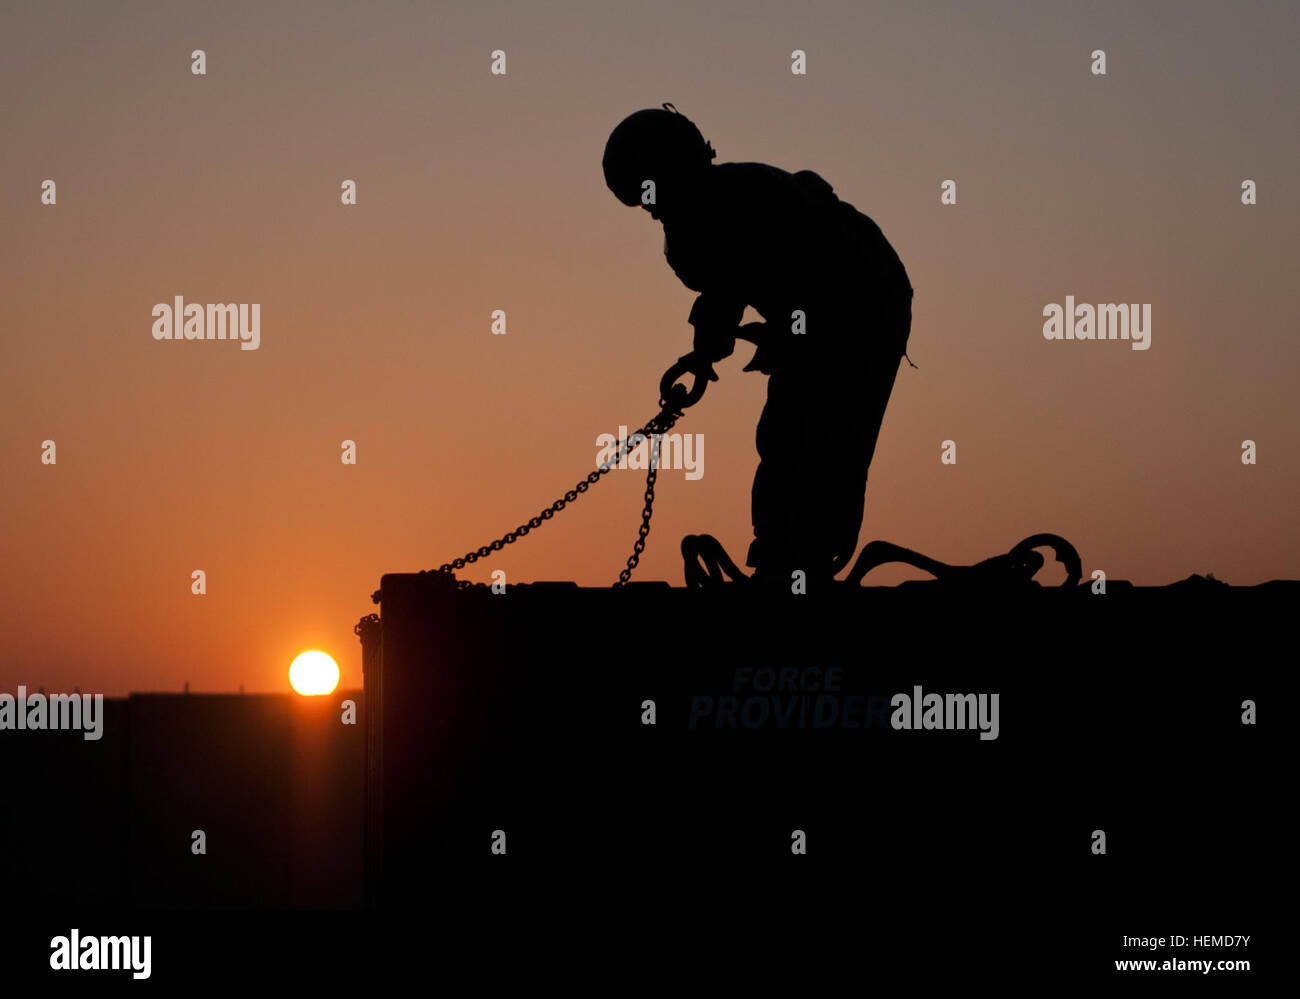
660	424
644	529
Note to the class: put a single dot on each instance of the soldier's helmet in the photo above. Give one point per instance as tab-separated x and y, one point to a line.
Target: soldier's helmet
654	144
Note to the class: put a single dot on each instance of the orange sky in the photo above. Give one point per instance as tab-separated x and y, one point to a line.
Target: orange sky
479	192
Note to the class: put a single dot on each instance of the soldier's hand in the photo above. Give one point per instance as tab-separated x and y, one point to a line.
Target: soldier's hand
702	366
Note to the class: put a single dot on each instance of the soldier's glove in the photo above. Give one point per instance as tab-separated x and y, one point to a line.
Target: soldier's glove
716	321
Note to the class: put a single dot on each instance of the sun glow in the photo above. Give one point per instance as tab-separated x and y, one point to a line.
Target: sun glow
314	673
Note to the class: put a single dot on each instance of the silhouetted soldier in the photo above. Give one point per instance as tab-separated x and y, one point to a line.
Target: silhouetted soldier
838	309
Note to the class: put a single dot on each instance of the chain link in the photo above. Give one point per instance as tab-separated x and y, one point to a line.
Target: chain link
644	529
660	424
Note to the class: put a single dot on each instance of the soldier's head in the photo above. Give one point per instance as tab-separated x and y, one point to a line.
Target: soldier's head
653	157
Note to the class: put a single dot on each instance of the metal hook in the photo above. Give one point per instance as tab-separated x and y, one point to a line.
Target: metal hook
678	397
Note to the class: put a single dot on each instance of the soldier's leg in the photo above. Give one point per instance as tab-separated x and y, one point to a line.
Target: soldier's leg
808	490
782	481
816	439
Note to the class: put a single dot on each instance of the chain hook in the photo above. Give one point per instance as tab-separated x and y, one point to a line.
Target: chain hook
678	397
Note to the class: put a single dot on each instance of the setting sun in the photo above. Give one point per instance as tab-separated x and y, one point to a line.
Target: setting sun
314	673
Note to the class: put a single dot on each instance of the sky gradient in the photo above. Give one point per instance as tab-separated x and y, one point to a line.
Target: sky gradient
479	192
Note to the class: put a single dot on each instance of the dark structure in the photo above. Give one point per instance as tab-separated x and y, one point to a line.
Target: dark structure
525	712
275	781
